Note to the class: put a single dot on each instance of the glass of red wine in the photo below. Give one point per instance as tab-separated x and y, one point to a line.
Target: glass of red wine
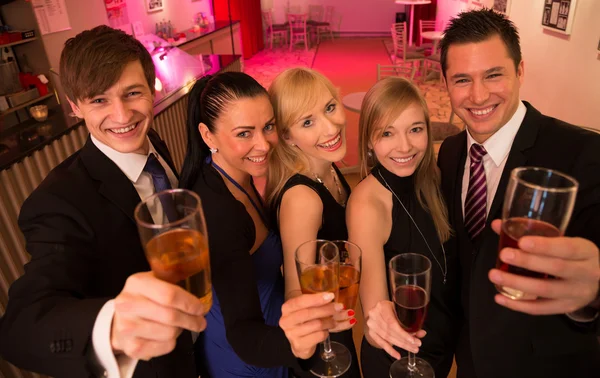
539	202
318	266
410	283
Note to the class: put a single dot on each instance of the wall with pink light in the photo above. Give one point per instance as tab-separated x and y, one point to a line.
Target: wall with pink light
562	73
90	13
353	16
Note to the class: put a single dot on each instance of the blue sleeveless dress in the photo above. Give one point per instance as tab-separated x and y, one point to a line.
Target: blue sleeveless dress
220	359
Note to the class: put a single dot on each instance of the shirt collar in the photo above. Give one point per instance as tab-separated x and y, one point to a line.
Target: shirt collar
498	145
131	164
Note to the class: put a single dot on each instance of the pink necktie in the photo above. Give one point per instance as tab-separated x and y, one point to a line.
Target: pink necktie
476	200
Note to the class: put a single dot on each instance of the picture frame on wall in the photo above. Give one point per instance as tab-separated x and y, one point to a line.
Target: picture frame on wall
559	15
154	5
502	6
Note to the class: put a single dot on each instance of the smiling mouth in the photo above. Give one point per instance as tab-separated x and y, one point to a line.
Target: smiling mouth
482	112
332	144
257	159
124	130
404	160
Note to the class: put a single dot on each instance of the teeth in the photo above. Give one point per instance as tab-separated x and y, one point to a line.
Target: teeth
332	143
405	160
124	129
257	159
482	112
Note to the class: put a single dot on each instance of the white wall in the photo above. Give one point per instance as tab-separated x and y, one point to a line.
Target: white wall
356	15
562	73
86	14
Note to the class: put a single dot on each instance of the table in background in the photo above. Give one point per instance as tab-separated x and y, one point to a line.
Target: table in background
353	101
412	4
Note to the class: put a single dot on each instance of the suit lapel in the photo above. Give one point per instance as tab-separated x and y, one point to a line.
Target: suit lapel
455	205
113	184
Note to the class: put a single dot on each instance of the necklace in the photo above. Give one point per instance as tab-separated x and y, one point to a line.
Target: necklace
445	270
337	185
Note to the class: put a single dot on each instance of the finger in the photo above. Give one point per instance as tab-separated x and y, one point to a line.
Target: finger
143	349
127	328
306	301
385	346
143	308
343	325
553	266
163	293
313	326
544	288
421	333
393	335
537	307
343	315
310	341
307	314
497	226
562	247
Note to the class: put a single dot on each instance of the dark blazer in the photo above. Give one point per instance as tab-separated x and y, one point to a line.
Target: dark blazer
496	341
80	231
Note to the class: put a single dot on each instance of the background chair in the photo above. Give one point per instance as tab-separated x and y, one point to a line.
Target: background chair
272	31
298	29
406	71
401	49
426	26
325	26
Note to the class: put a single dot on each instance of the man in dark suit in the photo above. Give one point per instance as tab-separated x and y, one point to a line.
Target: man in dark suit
502	337
87	304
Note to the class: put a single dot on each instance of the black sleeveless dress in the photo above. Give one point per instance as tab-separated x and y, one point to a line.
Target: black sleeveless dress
439	343
333	227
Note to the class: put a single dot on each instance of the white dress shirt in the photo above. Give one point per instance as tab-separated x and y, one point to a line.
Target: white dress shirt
132	165
497	146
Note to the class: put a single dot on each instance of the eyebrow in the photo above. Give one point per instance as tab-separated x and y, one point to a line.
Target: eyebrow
487	72
310	115
253	127
133	86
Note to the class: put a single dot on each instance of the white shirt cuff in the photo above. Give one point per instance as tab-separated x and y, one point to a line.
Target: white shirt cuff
121	366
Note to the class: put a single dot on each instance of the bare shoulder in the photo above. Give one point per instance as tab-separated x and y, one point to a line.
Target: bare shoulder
301	199
369	197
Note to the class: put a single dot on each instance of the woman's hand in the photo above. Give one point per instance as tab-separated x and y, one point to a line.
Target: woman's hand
306	320
343	320
384	331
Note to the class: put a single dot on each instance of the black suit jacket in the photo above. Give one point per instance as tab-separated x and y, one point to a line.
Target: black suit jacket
496	341
80	231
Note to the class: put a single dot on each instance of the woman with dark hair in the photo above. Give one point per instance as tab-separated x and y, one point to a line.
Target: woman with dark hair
251	332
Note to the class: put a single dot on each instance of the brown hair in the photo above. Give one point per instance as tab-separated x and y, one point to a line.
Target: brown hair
382	105
94	60
293	92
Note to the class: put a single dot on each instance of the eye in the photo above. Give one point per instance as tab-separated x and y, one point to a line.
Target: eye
307	123
461	81
386	134
269	127
244	134
493	76
330	108
97	101
417	129
134	93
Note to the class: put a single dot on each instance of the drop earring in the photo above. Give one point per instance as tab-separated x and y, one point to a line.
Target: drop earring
369	154
213	150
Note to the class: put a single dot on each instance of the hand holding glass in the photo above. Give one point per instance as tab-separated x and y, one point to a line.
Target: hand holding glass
539	202
173	233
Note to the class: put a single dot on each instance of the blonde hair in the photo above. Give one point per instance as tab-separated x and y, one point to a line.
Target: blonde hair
294	92
382	105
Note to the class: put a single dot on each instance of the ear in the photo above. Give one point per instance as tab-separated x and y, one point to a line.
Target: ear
521	72
207	136
75	109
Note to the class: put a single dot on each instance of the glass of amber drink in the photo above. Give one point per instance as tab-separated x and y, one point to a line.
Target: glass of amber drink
173	233
318	267
350	266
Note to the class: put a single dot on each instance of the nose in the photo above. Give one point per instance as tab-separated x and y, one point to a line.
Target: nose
403	144
479	92
121	113
261	143
331	128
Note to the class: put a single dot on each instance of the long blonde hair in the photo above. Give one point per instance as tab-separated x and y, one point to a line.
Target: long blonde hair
382	105
293	93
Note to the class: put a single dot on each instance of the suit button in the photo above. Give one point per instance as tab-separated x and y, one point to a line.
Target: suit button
53	347
68	345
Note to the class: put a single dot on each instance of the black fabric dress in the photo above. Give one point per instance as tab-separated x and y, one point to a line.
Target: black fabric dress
333	227
440	342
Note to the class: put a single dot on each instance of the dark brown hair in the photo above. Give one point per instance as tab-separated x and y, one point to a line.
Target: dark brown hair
478	26
94	60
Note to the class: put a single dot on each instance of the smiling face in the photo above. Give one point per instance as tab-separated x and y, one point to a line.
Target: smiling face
244	135
483	85
400	146
120	116
320	132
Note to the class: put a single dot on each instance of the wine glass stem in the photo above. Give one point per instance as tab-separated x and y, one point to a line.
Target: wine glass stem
327	352
411	362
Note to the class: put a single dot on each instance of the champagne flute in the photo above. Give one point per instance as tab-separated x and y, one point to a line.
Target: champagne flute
410	282
318	264
538	201
350	268
173	232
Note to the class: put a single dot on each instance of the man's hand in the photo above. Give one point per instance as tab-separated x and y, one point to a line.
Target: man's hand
574	262
149	316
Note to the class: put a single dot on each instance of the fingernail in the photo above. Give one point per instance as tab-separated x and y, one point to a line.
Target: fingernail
500	299
328	297
495	276
352	321
508	254
350	312
338	306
